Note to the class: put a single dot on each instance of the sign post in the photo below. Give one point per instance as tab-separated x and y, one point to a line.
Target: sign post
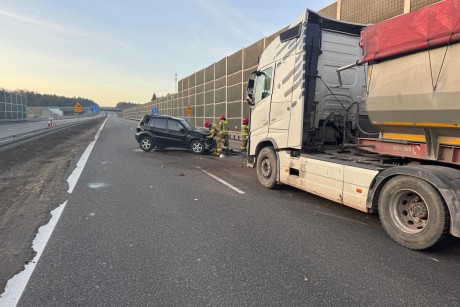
78	109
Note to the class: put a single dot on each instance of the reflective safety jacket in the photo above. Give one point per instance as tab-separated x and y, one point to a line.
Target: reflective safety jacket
223	127
244	130
213	131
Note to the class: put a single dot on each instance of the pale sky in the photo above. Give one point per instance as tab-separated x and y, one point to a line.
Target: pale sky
119	50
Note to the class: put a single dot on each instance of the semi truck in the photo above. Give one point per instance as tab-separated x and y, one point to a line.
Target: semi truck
367	116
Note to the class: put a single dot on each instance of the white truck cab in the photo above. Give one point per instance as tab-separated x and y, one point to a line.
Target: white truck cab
305	118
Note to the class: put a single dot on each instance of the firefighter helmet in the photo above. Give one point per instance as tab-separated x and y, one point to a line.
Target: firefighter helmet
245	120
207	124
222	117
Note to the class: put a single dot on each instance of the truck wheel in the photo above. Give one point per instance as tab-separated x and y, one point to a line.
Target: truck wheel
266	167
197	147
413	213
146	143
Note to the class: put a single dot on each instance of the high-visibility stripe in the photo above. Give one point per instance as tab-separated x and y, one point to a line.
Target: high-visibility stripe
420	138
449	141
417	124
399	136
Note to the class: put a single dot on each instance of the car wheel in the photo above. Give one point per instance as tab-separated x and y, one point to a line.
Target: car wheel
197	147
146	143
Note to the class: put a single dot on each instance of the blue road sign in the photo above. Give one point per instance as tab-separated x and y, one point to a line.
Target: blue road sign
155	111
94	108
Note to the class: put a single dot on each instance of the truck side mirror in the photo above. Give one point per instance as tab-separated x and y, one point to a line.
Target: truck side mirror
250	92
250	88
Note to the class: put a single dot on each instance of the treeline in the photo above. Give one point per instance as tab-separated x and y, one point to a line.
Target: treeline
125	105
45	100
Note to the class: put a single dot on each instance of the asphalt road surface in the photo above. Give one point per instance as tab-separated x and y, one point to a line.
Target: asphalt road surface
159	229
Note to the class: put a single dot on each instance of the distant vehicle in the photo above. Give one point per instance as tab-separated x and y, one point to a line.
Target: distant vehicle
162	131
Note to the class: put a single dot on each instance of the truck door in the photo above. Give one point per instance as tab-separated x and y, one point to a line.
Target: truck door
260	115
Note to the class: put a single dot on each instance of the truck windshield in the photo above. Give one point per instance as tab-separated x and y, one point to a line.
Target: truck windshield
263	86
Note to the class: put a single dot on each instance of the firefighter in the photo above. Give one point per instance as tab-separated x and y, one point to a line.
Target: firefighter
214	134
223	132
244	134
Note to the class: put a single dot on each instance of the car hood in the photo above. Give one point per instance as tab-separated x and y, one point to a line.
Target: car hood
200	132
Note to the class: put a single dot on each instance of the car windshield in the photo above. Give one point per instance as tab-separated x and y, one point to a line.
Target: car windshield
187	124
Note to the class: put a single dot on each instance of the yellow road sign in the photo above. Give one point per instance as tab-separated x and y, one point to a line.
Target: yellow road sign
188	110
77	108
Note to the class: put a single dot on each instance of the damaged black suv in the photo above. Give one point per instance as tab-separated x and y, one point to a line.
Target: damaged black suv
162	131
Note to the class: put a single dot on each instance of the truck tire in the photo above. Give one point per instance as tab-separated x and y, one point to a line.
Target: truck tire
267	167
146	143
413	213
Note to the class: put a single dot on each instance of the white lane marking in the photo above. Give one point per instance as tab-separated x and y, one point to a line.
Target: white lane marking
73	178
223	182
97	185
16	285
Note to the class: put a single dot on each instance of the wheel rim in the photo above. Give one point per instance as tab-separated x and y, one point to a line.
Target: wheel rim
145	144
266	168
409	211
197	147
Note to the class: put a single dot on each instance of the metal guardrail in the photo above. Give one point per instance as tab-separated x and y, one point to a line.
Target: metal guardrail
45	118
18	139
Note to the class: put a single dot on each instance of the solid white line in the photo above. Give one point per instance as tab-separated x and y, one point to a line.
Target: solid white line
223	181
16	285
73	178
